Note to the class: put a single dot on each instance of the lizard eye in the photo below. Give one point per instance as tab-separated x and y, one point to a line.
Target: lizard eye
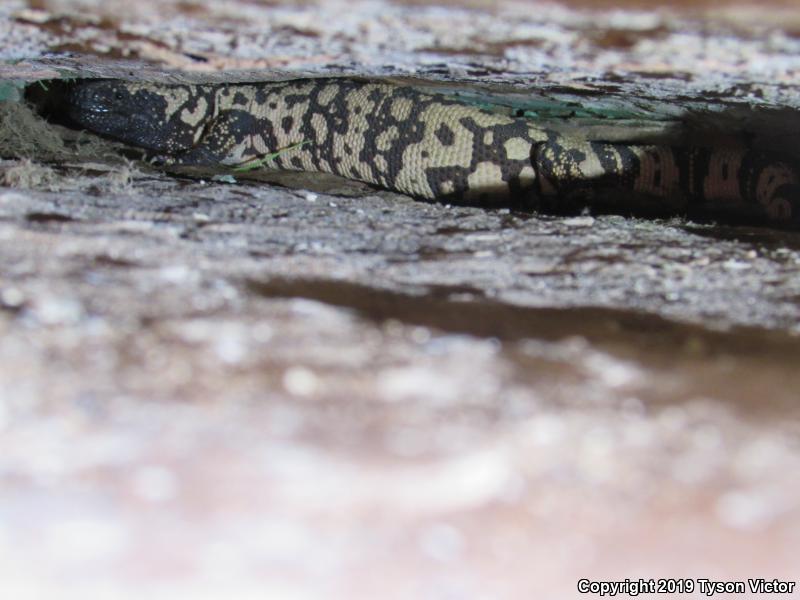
119	95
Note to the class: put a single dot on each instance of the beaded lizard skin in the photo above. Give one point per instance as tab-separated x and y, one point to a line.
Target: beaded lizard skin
425	145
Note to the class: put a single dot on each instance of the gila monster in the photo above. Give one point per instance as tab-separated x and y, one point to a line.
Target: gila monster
426	145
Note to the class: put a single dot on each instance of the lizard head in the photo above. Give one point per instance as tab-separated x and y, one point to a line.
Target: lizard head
164	118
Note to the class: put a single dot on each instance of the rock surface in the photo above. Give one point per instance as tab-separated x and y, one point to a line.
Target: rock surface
314	389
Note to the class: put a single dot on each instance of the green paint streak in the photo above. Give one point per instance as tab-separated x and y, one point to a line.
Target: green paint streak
226	178
260	162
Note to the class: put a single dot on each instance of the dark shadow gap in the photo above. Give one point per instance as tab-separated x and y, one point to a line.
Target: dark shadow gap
451	310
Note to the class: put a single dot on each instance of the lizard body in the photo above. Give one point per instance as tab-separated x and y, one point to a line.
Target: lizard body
425	145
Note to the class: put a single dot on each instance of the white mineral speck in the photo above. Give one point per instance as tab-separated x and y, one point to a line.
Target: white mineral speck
56	310
611	371
230	346
745	510
300	381
12	297
405	384
736	265
585	221
175	274
311	197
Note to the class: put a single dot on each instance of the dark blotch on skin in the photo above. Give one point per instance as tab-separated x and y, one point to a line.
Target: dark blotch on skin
291	100
445	135
287	123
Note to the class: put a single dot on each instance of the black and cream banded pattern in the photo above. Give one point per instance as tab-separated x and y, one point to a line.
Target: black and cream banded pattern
424	145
